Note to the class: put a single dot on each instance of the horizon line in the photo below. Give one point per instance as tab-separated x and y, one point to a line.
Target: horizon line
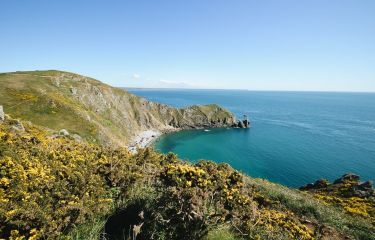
192	88
249	90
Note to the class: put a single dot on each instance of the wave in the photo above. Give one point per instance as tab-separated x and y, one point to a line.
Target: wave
287	123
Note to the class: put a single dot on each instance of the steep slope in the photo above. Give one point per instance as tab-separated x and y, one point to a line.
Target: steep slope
94	110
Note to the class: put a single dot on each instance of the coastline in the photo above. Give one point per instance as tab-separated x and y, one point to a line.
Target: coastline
145	138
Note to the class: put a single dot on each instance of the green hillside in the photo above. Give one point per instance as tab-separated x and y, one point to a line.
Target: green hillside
95	111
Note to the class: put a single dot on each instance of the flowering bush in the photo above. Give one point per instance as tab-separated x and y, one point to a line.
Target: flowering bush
51	185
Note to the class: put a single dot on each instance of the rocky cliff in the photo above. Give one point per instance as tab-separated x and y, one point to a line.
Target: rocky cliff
95	111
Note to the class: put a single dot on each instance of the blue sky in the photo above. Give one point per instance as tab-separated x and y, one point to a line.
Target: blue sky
324	45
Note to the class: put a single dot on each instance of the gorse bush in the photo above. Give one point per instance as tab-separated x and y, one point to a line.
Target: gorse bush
58	188
49	184
346	194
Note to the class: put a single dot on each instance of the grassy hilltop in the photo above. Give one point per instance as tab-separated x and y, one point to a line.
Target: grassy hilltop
60	187
93	110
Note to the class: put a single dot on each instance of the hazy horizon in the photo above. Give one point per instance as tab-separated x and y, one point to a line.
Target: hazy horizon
322	45
237	89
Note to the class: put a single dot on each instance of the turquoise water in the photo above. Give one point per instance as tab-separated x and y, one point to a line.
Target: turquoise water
295	137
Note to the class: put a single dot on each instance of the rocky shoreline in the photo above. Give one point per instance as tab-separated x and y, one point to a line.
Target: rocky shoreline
349	185
145	138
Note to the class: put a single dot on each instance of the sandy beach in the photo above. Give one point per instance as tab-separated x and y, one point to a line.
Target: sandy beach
143	139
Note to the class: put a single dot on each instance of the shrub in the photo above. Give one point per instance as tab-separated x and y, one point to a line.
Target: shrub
55	187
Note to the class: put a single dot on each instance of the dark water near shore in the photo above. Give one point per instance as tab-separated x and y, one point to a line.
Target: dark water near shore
295	138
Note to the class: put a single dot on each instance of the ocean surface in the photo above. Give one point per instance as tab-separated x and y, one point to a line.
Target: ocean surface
295	137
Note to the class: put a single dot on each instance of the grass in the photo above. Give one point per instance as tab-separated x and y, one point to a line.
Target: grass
45	98
305	205
222	232
92	230
23	98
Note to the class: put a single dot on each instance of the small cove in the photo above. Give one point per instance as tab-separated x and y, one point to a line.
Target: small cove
295	138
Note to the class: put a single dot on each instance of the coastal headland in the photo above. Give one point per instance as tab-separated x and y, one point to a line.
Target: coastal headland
66	173
98	112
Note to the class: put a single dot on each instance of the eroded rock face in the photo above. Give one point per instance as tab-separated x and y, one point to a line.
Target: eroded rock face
131	113
208	116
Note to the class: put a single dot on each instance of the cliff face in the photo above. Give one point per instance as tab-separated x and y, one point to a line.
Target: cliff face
94	110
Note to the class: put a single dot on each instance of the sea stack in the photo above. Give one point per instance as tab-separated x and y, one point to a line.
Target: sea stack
245	123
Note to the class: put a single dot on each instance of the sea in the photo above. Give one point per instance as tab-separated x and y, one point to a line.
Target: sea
295	137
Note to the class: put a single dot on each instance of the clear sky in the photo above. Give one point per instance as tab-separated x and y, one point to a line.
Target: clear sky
326	45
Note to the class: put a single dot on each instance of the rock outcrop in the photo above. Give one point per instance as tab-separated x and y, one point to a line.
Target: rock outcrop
363	190
16	125
348	177
242	124
63	132
2	115
348	185
321	183
346	193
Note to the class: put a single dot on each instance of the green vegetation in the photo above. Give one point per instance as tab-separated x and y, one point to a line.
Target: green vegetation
97	112
347	193
32	96
56	187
